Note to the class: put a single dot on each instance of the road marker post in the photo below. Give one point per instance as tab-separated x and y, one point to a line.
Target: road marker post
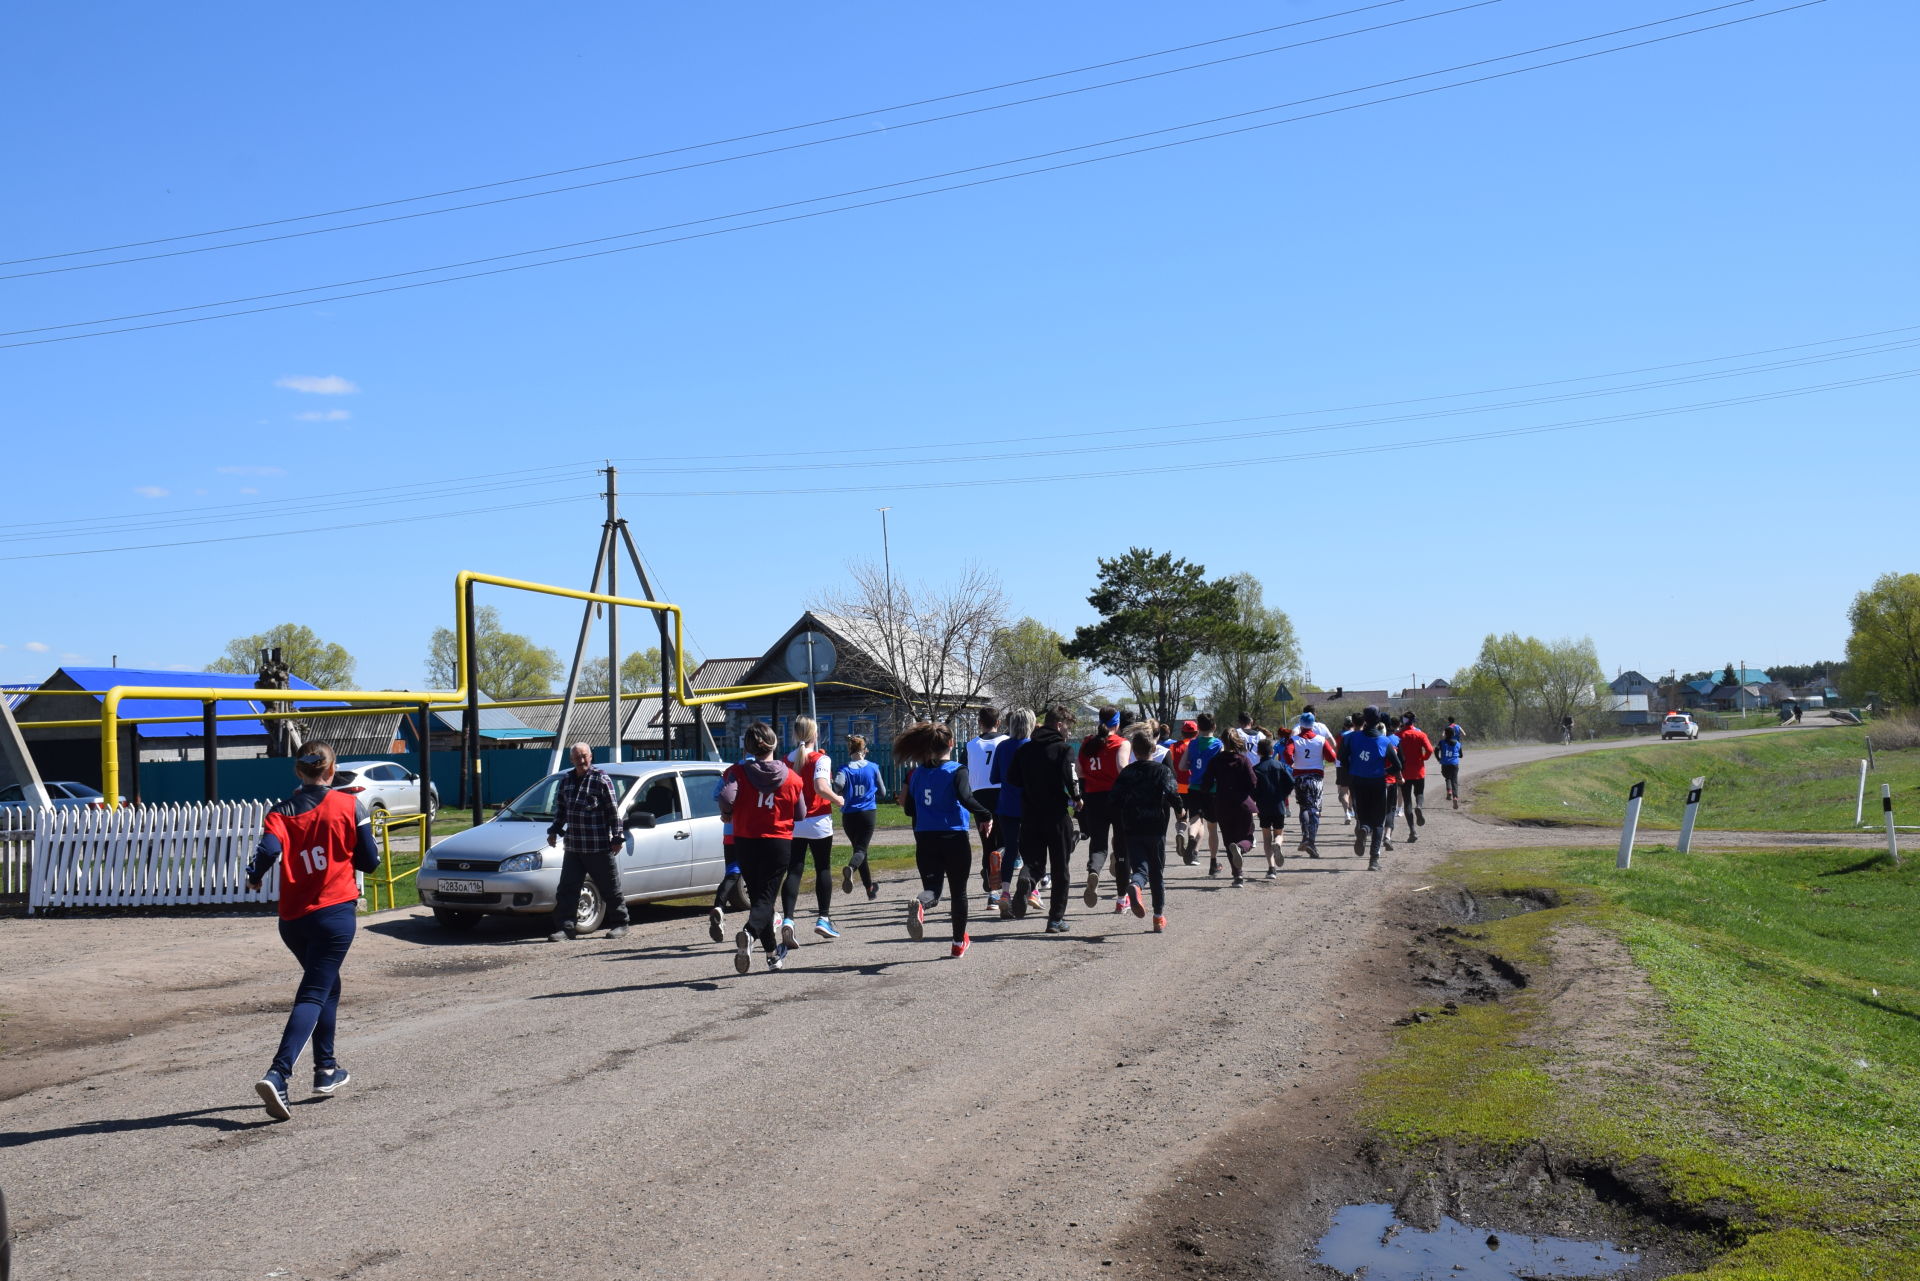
1632	825
1693	809
1886	808
1871	759
1860	801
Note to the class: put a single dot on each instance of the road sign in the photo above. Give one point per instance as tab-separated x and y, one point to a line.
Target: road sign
810	657
736	707
1283	694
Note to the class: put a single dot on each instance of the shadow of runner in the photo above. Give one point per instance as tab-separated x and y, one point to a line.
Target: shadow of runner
203	1118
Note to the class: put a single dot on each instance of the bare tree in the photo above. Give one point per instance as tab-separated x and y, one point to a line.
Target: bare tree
934	645
1029	669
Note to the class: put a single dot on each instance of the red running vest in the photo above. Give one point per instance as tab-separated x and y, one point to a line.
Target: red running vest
765	814
316	855
1100	763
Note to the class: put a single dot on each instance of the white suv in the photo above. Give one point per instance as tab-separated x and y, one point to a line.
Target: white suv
1679	725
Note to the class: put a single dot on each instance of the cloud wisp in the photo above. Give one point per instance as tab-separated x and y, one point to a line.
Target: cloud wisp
151	491
36	647
318	384
323	416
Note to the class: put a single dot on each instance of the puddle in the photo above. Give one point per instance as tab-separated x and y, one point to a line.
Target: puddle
1498	905
1368	1241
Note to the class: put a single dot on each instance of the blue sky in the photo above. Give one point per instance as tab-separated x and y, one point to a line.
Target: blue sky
1736	191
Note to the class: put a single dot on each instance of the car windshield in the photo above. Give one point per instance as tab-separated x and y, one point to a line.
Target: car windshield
535	805
1677	720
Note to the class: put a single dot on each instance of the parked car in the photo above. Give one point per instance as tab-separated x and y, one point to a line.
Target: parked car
1679	725
64	795
386	788
505	867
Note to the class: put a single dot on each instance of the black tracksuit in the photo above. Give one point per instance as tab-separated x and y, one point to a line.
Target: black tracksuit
1043	771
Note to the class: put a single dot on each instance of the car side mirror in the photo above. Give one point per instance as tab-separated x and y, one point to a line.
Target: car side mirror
640	818
413	778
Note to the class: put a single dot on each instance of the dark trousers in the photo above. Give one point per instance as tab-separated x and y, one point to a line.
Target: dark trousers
1369	806
1006	830
1413	794
859	825
1306	793
575	867
763	862
821	847
945	857
1452	774
1146	864
319	941
1043	848
1097	821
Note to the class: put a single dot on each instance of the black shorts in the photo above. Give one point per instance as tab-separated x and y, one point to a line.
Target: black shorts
1200	807
1273	818
1339	776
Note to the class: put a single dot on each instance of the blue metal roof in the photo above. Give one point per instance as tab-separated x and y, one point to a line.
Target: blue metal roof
105	678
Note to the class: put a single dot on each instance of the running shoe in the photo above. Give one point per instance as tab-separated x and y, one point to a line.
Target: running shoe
1373	864
1349	818
1386	838
777	959
742	952
1360	842
1092	895
1021	898
1056	927
1033	901
327	1080
873	892
1136	900
846	879
1310	849
1238	882
1119	906
1412	836
272	1089
1159	925
618	932
960	948
560	936
993	869
993	900
1420	815
916	918
1006	906
1273	874
1213	867
716	924
1456	802
824	928
786	933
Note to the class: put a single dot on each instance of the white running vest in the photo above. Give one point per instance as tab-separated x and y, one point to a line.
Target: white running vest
1309	753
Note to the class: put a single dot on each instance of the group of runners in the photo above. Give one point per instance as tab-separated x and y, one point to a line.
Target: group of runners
1033	794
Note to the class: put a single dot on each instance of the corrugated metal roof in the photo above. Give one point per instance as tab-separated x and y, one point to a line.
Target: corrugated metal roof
491	718
105	678
713	673
589	720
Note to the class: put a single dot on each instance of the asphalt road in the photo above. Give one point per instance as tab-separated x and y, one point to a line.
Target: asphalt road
635	1109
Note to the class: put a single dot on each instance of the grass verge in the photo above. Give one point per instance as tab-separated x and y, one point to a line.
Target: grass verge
1796	781
1781	1095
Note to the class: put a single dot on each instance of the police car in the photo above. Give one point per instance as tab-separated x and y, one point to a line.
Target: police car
1679	725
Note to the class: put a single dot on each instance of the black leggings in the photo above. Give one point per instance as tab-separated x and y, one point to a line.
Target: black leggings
1452	774
859	825
948	857
821	847
1043	848
1369	801
1146	857
763	861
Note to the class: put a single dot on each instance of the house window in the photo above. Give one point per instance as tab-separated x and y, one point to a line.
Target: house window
863	726
826	732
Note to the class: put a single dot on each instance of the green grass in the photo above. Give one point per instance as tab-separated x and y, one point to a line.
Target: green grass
1796	781
1791	980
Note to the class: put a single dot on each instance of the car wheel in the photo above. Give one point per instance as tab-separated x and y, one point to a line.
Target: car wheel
458	922
591	912
377	812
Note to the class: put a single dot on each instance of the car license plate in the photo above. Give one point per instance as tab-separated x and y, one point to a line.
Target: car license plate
461	887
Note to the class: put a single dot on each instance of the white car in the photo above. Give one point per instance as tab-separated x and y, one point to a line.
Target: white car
385	788
1679	725
64	795
669	810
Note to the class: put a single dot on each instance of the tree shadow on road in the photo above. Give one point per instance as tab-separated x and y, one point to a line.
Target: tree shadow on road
202	1118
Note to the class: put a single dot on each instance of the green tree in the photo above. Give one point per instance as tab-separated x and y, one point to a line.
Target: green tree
639	670
323	664
1728	677
1883	653
1029	668
506	664
1242	677
1158	615
1528	684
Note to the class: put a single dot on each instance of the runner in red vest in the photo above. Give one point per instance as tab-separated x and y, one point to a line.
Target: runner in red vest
1416	749
813	834
1103	754
319	837
763	799
1177	761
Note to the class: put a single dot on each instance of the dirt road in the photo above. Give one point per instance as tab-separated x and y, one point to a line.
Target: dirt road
635	1109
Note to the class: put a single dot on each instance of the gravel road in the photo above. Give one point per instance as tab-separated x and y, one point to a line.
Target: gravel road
635	1109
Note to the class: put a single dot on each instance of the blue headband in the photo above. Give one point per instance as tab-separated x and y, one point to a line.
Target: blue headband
1112	722
313	760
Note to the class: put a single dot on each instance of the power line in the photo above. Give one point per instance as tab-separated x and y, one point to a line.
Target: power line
768	151
977	182
1158	469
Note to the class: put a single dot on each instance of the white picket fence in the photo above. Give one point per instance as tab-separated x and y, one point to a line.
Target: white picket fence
145	855
16	851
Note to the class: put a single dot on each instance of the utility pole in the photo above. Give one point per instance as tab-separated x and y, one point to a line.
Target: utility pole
613	620
886	559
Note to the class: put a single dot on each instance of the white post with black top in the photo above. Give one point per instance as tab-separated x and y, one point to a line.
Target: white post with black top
1693	810
1632	825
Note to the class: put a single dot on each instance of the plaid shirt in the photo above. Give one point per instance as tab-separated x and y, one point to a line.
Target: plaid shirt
585	811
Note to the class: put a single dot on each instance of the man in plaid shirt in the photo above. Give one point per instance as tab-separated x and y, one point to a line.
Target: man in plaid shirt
586	813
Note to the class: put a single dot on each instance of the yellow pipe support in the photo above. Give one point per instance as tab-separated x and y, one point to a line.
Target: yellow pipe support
466	576
93	721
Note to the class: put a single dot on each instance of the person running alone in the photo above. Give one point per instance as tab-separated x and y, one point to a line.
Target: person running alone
1416	749
938	797
763	799
1369	759
1449	751
1043	771
861	790
1103	754
319	838
586	814
980	752
1273	784
813	834
1007	814
1144	796
1306	754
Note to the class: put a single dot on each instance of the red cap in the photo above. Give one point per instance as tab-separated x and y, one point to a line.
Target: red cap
1189	728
